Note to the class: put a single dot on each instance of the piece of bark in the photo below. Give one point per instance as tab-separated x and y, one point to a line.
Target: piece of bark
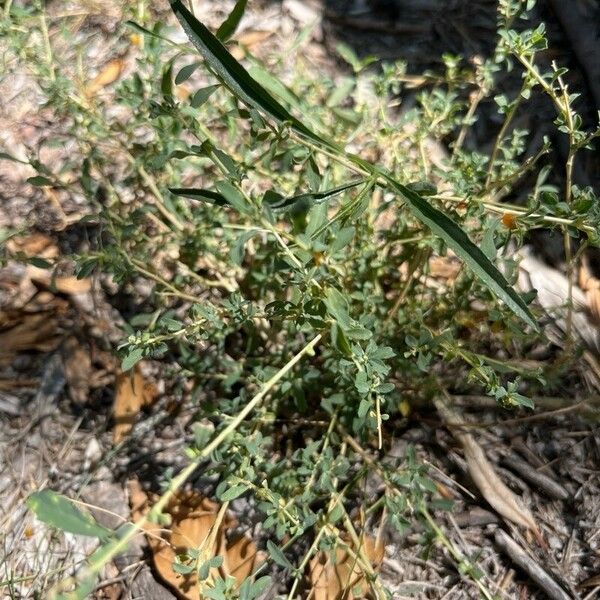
535	572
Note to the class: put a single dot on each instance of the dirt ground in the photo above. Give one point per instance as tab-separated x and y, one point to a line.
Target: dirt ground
57	369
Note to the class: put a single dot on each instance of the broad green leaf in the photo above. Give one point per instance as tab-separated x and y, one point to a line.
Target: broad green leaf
337	307
230	24
186	72
237	250
278	556
58	511
166	83
233	196
233	492
132	358
39	180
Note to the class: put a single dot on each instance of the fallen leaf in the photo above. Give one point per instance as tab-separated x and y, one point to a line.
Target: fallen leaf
193	519
343	578
109	74
248	41
77	366
132	393
501	498
64	284
31	332
35	244
445	267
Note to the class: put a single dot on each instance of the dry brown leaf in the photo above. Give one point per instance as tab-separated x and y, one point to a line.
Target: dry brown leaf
64	284
109	74
30	332
193	518
252	37
132	393
445	267
77	365
35	244
341	578
484	476
248	40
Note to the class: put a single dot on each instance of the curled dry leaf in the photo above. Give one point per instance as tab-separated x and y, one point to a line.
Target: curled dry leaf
343	578
132	393
194	522
109	74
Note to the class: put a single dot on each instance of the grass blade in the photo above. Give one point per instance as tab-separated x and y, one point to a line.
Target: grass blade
315	197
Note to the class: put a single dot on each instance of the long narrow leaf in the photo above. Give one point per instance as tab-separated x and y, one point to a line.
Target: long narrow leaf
456	239
230	24
232	73
200	194
248	90
316	197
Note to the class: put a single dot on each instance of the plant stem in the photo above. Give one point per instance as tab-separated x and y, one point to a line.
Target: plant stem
105	554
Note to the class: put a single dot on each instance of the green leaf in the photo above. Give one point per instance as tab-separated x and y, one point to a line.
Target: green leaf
58	511
342	238
233	75
278	556
273	85
230	24
166	83
133	357
456	239
200	194
39	180
233	492
248	90
314	197
337	307
237	250
40	263
233	196
7	156
202	95
186	72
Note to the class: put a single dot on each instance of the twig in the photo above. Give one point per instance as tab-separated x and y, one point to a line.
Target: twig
530	566
549	486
